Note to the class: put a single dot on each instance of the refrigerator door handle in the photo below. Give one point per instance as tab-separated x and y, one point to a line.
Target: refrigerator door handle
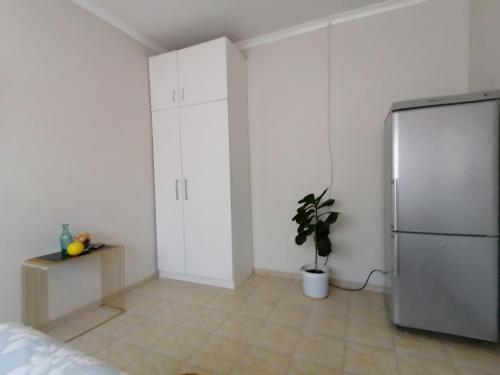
395	248
394	204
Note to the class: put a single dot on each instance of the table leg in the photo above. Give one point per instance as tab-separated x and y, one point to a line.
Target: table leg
113	276
35	304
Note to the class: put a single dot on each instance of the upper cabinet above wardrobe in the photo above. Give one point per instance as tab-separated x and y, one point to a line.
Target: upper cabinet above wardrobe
163	81
189	76
203	72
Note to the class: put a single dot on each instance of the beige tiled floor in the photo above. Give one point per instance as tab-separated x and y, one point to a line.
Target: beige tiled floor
268	327
83	322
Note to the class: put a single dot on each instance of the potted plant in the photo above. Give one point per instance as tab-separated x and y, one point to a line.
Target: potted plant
314	217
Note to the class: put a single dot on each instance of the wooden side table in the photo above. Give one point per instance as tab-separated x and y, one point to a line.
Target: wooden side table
35	293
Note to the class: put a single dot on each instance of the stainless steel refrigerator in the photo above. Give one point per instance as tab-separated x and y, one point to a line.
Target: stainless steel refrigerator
443	221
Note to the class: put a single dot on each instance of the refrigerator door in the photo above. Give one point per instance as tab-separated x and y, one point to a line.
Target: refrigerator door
445	169
447	284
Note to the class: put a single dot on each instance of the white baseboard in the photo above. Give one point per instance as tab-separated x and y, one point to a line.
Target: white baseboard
263	272
339	282
272	273
197	279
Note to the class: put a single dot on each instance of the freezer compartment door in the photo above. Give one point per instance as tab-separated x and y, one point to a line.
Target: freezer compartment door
445	169
447	284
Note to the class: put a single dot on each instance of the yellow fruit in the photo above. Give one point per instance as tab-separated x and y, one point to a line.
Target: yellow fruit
75	248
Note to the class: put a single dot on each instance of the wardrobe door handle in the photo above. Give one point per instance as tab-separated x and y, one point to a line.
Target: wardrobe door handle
173	95
182	94
186	189
176	190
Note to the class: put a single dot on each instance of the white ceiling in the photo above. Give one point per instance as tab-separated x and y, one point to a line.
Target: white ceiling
174	24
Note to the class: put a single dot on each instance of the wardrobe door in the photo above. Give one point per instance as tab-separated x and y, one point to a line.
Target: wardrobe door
168	190
206	189
163	81
203	72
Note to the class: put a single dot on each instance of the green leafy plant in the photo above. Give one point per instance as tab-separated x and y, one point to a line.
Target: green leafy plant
314	217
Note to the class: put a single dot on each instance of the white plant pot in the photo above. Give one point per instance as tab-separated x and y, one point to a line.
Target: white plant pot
315	285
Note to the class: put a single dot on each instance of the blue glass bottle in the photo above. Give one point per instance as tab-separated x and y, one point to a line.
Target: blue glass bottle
65	239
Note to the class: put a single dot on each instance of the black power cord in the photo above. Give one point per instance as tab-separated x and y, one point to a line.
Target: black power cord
364	285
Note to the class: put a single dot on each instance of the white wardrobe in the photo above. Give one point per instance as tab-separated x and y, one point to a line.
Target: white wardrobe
202	164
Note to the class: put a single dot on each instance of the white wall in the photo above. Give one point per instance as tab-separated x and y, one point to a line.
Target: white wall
413	52
75	143
484	55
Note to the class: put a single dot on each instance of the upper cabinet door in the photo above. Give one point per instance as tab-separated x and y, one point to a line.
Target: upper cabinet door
203	72
164	83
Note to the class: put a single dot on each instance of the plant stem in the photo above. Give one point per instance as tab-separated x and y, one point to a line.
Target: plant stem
315	243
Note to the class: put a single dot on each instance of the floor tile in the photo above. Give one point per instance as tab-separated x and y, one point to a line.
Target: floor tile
120	326
276	283
121	354
242	329
260	281
308	368
378	316
91	342
198	297
463	349
365	360
244	291
269	295
90	319
330	307
172	294
340	295
135	300
129	319
258	361
188	368
295	300
327	325
289	316
219	354
65	331
207	320
161	290
409	365
471	357
159	326
177	314
149	307
369	334
180	344
254	310
278	338
469	367
321	350
367	299
225	303
154	364
295	286
143	339
419	345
